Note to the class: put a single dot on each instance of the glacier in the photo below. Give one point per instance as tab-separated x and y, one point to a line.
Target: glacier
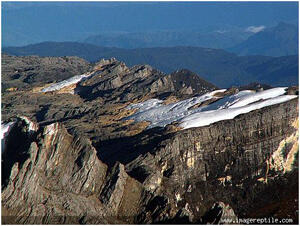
222	108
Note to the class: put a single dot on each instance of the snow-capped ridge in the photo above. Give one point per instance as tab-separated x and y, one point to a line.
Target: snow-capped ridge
159	114
208	117
227	107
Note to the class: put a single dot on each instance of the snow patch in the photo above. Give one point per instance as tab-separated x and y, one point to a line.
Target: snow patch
217	91
5	128
160	115
209	117
73	80
32	127
228	107
263	95
146	105
50	129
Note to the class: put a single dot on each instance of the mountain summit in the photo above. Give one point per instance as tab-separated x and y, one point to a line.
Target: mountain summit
281	40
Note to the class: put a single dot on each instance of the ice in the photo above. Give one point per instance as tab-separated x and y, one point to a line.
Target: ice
5	129
228	107
158	114
208	117
227	101
65	83
217	91
263	95
151	103
32	127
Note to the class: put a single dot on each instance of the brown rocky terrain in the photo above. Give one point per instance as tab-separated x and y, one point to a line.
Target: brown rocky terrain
80	160
23	72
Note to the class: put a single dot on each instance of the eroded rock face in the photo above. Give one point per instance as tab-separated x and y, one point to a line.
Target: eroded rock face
233	161
118	83
23	72
75	159
58	179
219	213
51	176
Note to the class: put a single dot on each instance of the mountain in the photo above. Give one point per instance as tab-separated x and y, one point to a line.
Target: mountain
281	40
225	38
134	145
22	72
22	23
215	65
87	51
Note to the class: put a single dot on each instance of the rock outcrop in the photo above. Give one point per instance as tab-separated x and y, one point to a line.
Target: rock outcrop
50	176
56	177
23	72
233	161
79	158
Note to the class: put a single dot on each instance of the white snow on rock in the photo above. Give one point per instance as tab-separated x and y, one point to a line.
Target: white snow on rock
263	95
228	107
212	93
227	101
70	81
159	114
151	103
32	127
208	117
5	129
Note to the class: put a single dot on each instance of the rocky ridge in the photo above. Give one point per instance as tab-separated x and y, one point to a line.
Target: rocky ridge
25	72
79	161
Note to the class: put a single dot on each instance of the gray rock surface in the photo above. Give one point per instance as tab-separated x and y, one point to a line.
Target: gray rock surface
23	72
83	163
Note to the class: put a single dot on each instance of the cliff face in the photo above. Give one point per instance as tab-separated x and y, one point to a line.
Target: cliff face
79	158
235	161
59	178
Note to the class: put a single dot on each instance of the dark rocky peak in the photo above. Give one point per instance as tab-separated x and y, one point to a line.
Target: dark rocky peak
23	131
116	82
137	73
186	79
293	90
105	63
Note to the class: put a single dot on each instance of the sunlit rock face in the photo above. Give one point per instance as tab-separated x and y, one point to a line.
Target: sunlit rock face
52	179
233	161
122	148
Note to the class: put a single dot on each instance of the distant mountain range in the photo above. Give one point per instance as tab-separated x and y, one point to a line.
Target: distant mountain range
215	65
29	23
223	38
281	40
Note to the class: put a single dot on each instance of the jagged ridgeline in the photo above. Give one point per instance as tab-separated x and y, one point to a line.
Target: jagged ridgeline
112	144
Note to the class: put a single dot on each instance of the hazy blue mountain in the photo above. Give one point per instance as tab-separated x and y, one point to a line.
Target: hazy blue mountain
215	65
281	40
215	39
31	22
87	51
